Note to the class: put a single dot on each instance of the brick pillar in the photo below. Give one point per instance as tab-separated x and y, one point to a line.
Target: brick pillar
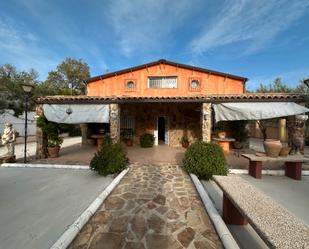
206	117
114	117
41	138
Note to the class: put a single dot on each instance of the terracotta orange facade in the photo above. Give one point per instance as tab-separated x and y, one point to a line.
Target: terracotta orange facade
210	82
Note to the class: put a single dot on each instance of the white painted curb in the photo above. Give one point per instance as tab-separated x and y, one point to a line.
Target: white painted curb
67	237
271	172
47	166
222	230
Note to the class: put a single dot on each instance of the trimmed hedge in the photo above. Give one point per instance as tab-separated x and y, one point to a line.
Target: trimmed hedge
205	160
146	140
110	159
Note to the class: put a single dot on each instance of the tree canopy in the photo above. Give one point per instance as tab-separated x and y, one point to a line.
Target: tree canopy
11	92
279	87
68	78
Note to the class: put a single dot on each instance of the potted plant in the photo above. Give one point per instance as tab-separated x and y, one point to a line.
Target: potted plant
185	142
239	132
127	136
52	131
222	128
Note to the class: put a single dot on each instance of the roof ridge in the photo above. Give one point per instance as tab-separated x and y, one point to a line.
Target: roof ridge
164	61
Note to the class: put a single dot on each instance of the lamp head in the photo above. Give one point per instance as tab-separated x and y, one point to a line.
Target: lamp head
27	88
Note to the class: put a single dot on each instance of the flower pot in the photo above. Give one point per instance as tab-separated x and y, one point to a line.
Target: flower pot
272	147
129	142
53	152
185	144
284	152
221	134
237	145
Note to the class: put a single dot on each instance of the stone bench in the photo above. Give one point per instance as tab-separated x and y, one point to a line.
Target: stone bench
293	164
243	203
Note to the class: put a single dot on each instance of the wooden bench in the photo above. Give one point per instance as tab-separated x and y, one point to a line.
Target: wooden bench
243	203
293	164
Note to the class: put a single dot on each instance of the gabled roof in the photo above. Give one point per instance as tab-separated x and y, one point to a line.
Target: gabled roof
166	62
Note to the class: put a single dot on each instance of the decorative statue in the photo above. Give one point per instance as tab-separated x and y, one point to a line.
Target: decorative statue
297	134
8	139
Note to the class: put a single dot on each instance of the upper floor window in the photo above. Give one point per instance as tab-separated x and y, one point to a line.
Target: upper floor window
195	84
130	85
162	82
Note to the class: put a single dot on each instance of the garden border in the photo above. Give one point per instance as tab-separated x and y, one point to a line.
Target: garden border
46	166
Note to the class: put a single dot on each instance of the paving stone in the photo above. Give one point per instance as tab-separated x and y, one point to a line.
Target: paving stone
205	243
101	217
151	205
107	241
156	223
172	215
162	209
160	199
139	226
128	195
119	224
175	225
114	203
193	218
186	236
134	245
156	241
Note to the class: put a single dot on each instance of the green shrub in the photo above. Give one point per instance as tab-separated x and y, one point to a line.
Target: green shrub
205	160
146	140
110	159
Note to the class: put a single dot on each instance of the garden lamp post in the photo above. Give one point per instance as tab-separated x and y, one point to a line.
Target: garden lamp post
27	90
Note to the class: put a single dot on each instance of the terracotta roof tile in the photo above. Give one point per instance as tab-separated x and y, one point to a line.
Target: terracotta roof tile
63	99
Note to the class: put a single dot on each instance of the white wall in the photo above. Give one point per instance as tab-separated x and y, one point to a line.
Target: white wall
18	123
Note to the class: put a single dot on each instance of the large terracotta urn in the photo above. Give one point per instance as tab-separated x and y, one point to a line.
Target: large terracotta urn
272	147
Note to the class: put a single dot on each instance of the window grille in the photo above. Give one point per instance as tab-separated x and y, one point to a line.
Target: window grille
162	82
127	123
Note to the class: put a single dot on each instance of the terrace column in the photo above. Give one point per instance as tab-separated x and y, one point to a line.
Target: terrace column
84	132
282	129
114	119
41	138
206	117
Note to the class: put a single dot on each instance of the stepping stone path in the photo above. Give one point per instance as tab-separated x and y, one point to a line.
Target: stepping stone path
153	207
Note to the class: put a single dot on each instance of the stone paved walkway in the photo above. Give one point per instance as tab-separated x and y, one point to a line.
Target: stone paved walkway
154	206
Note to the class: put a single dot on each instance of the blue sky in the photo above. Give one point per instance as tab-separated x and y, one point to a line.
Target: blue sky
258	39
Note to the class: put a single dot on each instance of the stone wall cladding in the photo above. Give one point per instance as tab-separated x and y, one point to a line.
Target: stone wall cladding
183	119
114	115
206	122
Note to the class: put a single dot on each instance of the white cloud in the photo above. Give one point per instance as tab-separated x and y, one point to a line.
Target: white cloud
146	25
252	22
